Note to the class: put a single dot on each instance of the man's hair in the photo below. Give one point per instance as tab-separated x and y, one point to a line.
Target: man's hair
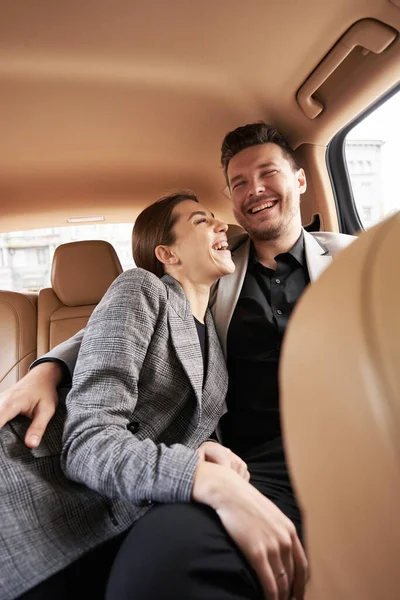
253	134
155	226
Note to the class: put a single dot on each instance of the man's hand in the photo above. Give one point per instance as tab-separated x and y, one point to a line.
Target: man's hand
216	453
34	396
265	536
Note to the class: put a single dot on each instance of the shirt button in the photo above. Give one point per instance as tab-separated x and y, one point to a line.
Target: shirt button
279	311
277	280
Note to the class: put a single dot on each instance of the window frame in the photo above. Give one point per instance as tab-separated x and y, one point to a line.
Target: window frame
346	209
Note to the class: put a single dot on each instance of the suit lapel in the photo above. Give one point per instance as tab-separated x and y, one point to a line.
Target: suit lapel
228	292
317	256
184	335
216	374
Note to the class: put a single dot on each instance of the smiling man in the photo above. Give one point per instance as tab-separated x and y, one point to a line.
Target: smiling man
275	262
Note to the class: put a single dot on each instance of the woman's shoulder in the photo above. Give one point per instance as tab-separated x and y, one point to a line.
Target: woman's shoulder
140	280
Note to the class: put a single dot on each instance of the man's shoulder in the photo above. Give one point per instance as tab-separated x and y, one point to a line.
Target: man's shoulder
333	242
237	240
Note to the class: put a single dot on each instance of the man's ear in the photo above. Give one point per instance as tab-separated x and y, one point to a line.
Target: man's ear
301	180
165	255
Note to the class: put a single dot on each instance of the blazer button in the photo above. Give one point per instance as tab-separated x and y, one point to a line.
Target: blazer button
133	427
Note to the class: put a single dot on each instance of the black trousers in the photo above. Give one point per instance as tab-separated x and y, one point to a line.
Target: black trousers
182	552
176	552
83	579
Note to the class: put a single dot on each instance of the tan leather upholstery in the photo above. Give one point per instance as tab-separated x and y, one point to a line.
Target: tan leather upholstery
234	229
81	274
17	335
340	381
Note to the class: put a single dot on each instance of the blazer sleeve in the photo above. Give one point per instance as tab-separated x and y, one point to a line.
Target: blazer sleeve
65	353
98	449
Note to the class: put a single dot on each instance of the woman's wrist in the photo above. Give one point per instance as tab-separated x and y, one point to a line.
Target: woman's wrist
213	483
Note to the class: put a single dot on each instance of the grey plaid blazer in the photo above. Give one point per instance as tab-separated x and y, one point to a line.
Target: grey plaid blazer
138	408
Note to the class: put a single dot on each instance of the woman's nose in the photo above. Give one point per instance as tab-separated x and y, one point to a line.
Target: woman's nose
221	226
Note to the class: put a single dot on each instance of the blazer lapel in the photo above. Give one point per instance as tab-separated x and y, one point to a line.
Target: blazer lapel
228	292
317	256
184	335
216	375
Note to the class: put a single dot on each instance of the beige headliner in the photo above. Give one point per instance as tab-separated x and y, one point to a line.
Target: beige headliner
106	105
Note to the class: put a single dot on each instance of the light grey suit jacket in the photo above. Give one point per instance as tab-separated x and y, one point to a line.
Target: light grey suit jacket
320	248
137	411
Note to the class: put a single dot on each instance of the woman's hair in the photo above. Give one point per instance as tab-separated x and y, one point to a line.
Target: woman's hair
155	226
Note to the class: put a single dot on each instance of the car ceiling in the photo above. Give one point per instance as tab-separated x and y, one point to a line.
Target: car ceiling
104	106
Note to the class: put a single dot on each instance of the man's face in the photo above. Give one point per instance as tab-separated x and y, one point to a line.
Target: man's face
265	191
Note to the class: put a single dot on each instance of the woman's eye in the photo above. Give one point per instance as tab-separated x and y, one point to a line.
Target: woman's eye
203	220
237	185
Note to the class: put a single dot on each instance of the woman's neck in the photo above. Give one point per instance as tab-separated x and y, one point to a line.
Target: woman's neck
198	295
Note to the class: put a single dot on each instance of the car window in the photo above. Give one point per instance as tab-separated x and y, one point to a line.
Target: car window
372	158
26	256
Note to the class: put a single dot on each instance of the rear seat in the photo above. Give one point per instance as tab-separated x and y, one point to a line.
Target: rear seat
18	336
81	274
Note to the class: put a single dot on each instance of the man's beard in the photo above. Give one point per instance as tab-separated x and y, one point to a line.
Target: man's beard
267	232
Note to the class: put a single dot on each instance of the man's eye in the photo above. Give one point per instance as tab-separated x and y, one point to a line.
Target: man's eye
269	173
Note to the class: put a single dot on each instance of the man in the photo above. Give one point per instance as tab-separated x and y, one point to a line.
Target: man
182	551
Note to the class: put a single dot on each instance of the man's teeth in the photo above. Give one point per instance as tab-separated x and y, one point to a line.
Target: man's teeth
257	209
220	246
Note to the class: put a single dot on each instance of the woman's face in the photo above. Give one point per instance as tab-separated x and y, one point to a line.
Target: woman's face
201	246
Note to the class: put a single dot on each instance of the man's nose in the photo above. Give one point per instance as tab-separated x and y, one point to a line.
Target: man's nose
256	188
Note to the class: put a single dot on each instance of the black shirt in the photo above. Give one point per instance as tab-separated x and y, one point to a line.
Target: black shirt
201	332
254	343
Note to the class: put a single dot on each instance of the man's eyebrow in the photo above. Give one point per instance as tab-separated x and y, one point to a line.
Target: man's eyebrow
270	163
200	212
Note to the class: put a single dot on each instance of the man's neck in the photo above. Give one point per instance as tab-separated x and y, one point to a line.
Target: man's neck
266	250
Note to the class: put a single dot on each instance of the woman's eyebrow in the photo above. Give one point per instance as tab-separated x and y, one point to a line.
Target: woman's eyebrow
200	212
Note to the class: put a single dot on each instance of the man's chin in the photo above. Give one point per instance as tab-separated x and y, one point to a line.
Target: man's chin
264	233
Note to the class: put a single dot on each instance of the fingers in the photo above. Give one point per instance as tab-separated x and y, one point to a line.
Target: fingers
300	569
41	419
218	454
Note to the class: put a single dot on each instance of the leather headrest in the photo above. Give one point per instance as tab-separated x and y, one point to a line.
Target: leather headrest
82	272
340	401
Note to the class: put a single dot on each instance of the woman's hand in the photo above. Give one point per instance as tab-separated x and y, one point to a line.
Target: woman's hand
214	452
34	396
265	536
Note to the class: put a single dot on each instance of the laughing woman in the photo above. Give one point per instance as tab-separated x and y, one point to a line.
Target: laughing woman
148	389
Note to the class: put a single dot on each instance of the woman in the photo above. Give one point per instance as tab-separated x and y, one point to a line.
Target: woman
149	388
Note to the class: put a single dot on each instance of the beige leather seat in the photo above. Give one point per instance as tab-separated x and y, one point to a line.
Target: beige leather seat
340	379
17	336
81	274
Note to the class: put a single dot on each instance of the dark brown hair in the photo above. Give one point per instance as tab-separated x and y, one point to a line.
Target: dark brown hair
155	226
252	135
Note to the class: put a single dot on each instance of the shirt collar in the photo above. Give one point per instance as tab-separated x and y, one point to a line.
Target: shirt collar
297	251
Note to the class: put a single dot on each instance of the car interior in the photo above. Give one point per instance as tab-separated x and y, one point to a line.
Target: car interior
104	107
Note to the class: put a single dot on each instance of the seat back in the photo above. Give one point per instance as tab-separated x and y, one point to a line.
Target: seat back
340	384
81	274
17	335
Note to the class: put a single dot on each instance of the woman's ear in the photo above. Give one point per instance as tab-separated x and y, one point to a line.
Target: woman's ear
165	255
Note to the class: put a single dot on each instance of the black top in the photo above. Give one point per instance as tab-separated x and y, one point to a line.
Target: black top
201	332
254	343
